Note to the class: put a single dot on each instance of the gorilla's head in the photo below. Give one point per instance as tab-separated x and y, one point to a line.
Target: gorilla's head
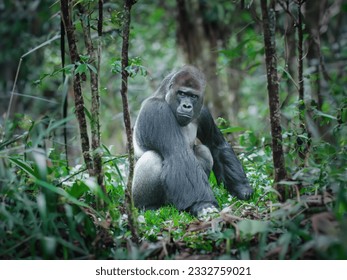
185	94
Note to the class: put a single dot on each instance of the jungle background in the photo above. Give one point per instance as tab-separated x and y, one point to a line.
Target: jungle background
73	76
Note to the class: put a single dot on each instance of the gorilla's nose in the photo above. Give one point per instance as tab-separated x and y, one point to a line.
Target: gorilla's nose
187	108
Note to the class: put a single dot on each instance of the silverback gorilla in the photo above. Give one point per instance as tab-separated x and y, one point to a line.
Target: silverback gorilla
177	144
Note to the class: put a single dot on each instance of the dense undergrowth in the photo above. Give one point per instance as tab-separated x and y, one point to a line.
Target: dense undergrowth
50	212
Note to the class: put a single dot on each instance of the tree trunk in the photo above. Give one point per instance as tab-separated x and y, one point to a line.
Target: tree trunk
303	144
79	101
94	89
273	93
198	39
124	89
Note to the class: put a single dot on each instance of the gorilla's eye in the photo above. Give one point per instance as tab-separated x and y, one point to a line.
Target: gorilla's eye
194	96
181	93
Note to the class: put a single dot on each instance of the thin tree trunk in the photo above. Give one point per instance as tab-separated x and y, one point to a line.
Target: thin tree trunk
300	60
79	101
303	144
65	101
124	89
269	25
94	88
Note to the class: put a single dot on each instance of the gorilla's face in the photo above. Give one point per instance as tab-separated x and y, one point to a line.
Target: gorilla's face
185	97
188	106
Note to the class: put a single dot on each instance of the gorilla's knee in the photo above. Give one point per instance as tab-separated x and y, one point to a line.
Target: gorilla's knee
147	188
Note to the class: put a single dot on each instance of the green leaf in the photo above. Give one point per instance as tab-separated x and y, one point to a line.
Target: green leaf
82	68
233	129
88	114
24	166
84	58
116	66
12	140
344	115
324	115
280	68
62	193
94	188
67	69
289	183
235	52
92	68
77	189
252	227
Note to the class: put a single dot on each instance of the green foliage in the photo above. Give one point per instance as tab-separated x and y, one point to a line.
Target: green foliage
50	213
134	67
41	220
167	222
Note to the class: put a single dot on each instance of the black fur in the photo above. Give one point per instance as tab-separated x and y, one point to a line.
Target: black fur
227	168
186	184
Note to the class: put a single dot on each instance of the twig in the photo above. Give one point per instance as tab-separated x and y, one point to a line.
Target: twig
18	69
83	170
34	97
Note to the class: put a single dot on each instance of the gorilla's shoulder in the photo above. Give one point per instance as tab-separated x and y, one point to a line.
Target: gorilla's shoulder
153	104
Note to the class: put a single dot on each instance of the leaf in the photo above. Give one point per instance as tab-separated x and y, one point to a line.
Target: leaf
59	123
252	227
280	68
88	114
24	166
92	186
92	68
235	52
116	66
62	193
67	69
289	183
12	140
77	189
40	166
81	68
84	58
321	114
344	115
233	129
115	163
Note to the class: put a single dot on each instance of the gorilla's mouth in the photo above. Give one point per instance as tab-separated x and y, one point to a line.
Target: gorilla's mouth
183	119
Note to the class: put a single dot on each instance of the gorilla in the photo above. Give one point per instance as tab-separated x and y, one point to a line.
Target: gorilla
177	144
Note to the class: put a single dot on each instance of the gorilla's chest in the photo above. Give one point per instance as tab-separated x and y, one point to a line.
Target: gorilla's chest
190	131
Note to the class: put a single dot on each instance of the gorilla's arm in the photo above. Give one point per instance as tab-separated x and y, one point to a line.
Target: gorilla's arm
185	184
226	167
